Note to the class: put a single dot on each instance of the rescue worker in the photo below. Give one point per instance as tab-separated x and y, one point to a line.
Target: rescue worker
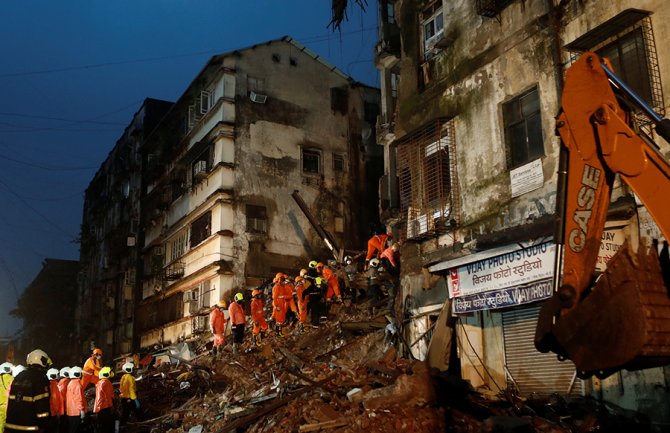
314	298
62	389
57	409
128	393
104	404
5	381
28	404
75	401
351	272
300	285
374	284
217	324
376	244
282	301
237	320
312	273
390	260
91	368
258	317
329	277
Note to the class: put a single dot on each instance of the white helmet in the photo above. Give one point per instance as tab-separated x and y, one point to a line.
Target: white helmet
65	372
38	357
374	262
75	372
6	368
52	373
128	367
17	369
348	260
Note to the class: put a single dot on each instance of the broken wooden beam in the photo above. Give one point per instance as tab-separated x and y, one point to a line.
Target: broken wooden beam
325	425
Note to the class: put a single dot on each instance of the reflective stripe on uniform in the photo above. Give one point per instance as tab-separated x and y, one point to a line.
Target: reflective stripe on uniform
21	427
42	415
31	399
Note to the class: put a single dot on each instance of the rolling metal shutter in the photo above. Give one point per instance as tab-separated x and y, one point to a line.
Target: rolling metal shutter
532	371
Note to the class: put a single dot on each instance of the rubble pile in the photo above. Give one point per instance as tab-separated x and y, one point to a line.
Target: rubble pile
342	377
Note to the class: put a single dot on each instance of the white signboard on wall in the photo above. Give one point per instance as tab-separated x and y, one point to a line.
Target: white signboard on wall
526	178
506	270
611	241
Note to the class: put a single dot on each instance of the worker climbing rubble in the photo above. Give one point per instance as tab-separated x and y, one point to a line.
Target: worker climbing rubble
390	258
314	296
258	317
28	398
330	279
301	284
217	324
75	401
376	245
104	402
91	368
130	404
56	403
237	320
5	381
282	301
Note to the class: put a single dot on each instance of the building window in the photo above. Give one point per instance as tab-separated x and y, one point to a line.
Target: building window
339	100
433	30
293	61
390	12
257	219
201	229
427	179
338	162
201	165
311	161
177	245
255	84
523	129
627	40
276	58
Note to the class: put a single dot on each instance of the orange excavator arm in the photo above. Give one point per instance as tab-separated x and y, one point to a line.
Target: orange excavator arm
624	320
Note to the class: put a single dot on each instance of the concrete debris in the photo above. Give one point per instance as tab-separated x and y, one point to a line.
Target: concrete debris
342	377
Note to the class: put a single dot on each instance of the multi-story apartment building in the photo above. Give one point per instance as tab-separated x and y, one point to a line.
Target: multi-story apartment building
255	125
469	95
111	238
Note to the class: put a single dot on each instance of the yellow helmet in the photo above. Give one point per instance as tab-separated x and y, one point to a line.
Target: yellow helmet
221	304
239	297
105	373
312	264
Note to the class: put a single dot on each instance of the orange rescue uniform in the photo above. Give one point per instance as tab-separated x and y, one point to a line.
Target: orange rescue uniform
217	323
376	245
333	283
282	300
104	393
62	389
75	401
300	287
258	316
55	400
90	371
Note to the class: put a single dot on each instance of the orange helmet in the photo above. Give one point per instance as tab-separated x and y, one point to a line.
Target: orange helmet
319	265
303	272
298	278
255	292
278	277
97	351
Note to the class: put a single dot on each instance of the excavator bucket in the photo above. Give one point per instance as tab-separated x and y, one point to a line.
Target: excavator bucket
624	322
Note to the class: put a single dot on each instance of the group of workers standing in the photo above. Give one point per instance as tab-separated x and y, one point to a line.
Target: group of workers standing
41	398
305	299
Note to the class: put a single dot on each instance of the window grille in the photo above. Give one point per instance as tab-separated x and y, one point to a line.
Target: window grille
428	182
628	41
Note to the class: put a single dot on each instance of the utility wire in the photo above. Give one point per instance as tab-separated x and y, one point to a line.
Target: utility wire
38	213
47	167
31	116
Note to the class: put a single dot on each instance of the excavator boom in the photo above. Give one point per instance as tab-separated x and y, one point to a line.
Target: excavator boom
623	321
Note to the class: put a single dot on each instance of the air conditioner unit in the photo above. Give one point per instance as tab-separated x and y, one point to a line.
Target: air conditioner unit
200	169
191	295
258	98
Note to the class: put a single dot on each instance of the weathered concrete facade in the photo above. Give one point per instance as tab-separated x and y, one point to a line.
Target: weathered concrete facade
475	69
109	252
254	126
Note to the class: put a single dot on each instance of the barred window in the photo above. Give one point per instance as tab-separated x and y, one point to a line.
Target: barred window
201	229
627	40
427	179
257	219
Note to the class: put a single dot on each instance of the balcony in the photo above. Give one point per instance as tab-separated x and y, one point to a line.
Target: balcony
387	50
175	271
491	8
